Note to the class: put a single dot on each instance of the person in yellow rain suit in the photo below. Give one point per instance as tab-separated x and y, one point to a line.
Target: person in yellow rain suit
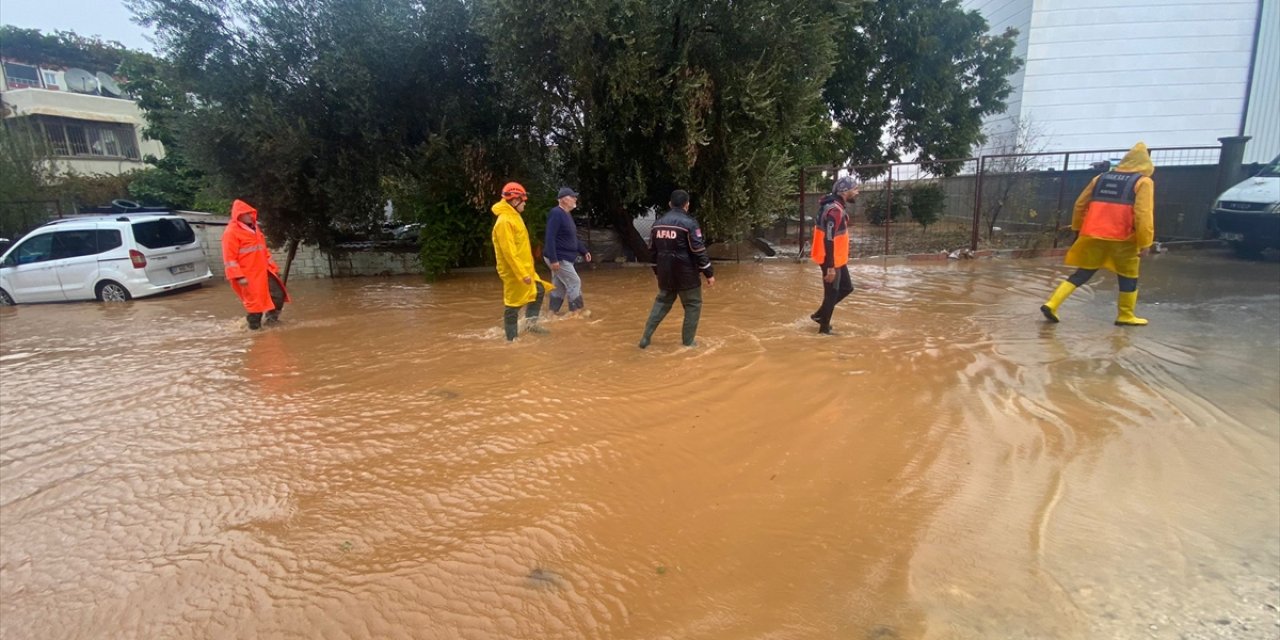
1114	217
521	286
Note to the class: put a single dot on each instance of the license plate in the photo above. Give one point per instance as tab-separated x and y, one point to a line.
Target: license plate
182	268
1231	237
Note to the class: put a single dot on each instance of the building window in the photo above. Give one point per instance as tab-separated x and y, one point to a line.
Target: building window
21	76
75	138
50	79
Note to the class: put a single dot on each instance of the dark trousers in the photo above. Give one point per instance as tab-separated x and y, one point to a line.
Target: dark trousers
277	298
1081	276
511	315
690	300
832	293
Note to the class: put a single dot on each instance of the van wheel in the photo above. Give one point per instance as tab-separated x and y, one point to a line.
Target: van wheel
5	299
112	292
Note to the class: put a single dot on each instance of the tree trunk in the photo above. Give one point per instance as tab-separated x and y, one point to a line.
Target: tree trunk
288	258
625	224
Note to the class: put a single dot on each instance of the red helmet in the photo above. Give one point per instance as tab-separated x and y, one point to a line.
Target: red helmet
514	189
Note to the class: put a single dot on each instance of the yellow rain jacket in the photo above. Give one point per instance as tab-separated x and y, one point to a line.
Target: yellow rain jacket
515	257
1119	256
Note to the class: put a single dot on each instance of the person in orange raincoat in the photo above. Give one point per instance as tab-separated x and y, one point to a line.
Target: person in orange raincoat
254	276
521	286
1115	219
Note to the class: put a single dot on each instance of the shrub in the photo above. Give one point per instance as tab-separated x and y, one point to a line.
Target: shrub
927	203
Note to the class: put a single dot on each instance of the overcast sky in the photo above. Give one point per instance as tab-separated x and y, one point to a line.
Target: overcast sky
107	19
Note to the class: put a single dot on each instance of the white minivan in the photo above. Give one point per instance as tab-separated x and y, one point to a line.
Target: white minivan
1248	214
108	258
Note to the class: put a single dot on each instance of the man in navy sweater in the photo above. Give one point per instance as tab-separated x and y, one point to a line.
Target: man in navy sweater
561	251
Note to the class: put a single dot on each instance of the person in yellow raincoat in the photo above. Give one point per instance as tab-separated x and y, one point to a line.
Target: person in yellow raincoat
521	286
1115	219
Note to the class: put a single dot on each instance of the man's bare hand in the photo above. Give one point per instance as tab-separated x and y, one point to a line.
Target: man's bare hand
829	276
711	282
555	266
244	282
527	279
587	256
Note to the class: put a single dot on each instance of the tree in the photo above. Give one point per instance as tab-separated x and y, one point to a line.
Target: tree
308	109
1006	185
64	48
26	170
916	77
927	202
642	97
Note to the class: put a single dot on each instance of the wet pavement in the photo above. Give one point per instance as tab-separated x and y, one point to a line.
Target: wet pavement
384	465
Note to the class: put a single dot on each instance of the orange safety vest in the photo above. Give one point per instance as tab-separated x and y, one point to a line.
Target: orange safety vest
831	222
1110	212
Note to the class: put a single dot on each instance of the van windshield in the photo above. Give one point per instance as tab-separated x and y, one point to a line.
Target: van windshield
165	232
1272	170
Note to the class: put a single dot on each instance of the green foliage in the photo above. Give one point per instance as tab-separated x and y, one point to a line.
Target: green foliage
916	77
876	206
642	97
927	203
452	236
64	48
25	161
317	111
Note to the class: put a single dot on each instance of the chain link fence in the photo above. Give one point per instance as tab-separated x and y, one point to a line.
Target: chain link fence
1010	201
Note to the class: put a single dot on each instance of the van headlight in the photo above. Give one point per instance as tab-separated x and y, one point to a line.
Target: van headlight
1217	204
1274	208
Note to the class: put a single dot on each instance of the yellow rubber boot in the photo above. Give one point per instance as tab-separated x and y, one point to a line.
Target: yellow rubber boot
1050	308
1126	302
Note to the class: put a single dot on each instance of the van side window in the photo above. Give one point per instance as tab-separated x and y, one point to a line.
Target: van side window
108	239
165	232
36	249
74	244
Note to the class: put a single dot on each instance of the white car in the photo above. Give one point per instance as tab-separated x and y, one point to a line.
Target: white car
108	258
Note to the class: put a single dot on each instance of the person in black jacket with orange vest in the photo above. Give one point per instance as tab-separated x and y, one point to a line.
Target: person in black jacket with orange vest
678	254
831	249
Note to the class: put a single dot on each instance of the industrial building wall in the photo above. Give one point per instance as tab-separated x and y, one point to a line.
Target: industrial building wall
1101	74
1263	121
1001	130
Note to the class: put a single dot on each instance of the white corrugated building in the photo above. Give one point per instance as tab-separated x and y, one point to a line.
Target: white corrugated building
1101	74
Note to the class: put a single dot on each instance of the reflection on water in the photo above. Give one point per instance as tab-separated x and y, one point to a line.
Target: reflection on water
385	465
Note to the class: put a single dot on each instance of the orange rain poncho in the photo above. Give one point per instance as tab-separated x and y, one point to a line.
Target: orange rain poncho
245	255
1118	256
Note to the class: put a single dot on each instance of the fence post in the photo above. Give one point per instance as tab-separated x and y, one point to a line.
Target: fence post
1062	188
800	231
1229	162
888	220
977	202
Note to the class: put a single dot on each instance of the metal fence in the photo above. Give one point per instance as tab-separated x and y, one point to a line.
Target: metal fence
1004	201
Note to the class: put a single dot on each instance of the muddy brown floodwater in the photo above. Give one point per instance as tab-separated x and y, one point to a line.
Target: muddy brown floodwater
384	465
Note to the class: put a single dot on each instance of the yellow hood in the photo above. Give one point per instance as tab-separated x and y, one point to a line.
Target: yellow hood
1137	161
503	207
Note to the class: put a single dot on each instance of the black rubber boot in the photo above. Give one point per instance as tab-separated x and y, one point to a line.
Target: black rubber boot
255	321
692	302
656	314
511	322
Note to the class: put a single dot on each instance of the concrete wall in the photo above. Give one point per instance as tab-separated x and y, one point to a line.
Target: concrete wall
310	261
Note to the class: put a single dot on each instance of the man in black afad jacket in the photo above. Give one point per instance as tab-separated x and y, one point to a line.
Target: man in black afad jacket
678	255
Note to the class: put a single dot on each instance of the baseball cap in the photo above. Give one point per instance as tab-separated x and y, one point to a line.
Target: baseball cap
566	191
